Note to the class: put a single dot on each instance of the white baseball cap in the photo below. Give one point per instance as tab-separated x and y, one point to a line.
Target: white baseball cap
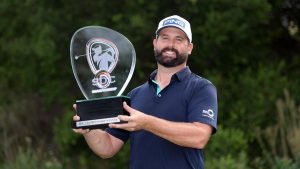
178	22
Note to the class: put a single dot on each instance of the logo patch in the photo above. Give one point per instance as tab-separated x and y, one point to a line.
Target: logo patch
208	113
174	21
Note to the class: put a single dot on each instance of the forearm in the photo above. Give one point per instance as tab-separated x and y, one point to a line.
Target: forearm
194	135
101	143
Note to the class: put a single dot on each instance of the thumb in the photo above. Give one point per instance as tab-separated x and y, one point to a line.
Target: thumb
127	108
75	107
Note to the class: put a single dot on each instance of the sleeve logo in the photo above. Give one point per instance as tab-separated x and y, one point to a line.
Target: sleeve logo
208	113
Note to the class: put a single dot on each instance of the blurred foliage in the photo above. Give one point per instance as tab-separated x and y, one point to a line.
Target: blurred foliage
285	163
28	158
218	149
239	161
226	138
280	142
249	49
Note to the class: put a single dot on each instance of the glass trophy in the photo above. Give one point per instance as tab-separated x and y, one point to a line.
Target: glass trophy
103	63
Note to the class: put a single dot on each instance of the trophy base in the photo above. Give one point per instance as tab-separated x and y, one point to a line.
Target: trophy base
98	113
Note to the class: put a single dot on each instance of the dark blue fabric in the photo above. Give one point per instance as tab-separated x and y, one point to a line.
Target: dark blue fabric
188	98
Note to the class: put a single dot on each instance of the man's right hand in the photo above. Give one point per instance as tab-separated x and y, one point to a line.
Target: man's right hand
77	118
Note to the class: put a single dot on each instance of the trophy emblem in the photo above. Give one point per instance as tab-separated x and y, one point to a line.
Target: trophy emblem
102	57
103	63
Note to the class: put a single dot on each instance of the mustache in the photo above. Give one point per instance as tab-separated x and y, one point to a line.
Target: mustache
170	49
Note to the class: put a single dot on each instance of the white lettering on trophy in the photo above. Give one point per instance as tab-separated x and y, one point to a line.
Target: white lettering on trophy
97	122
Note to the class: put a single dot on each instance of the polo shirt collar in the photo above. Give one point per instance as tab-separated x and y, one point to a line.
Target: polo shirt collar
180	75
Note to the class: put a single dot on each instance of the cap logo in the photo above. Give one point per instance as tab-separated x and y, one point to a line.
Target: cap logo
174	21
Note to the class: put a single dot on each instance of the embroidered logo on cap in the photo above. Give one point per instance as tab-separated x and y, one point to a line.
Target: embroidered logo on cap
174	21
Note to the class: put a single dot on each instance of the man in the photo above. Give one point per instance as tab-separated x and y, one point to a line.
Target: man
172	115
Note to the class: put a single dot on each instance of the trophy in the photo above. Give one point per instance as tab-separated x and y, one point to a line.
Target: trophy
103	63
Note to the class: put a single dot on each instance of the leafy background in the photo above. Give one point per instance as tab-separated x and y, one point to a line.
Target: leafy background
249	49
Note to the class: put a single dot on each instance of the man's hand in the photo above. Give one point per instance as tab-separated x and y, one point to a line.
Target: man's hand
135	121
76	118
101	142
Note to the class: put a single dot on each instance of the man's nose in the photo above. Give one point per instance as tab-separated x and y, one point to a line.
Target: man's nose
171	44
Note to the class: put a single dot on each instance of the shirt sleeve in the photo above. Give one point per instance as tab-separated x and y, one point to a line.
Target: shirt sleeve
118	133
203	106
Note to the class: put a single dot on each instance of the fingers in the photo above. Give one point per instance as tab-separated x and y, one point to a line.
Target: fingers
126	107
75	107
129	126
76	118
124	118
81	131
124	126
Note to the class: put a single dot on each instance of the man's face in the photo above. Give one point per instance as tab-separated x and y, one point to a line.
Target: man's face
172	47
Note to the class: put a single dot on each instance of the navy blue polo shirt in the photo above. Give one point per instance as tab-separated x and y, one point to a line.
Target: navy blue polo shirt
188	98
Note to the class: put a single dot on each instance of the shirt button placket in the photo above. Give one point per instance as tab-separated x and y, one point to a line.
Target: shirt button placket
157	98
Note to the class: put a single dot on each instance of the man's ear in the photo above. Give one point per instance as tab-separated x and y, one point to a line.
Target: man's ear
154	43
190	48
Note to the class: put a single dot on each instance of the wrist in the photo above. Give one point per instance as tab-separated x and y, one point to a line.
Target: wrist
148	121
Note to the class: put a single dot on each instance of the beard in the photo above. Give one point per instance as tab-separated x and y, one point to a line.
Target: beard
170	62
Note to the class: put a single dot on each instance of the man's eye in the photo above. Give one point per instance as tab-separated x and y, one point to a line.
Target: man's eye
179	39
